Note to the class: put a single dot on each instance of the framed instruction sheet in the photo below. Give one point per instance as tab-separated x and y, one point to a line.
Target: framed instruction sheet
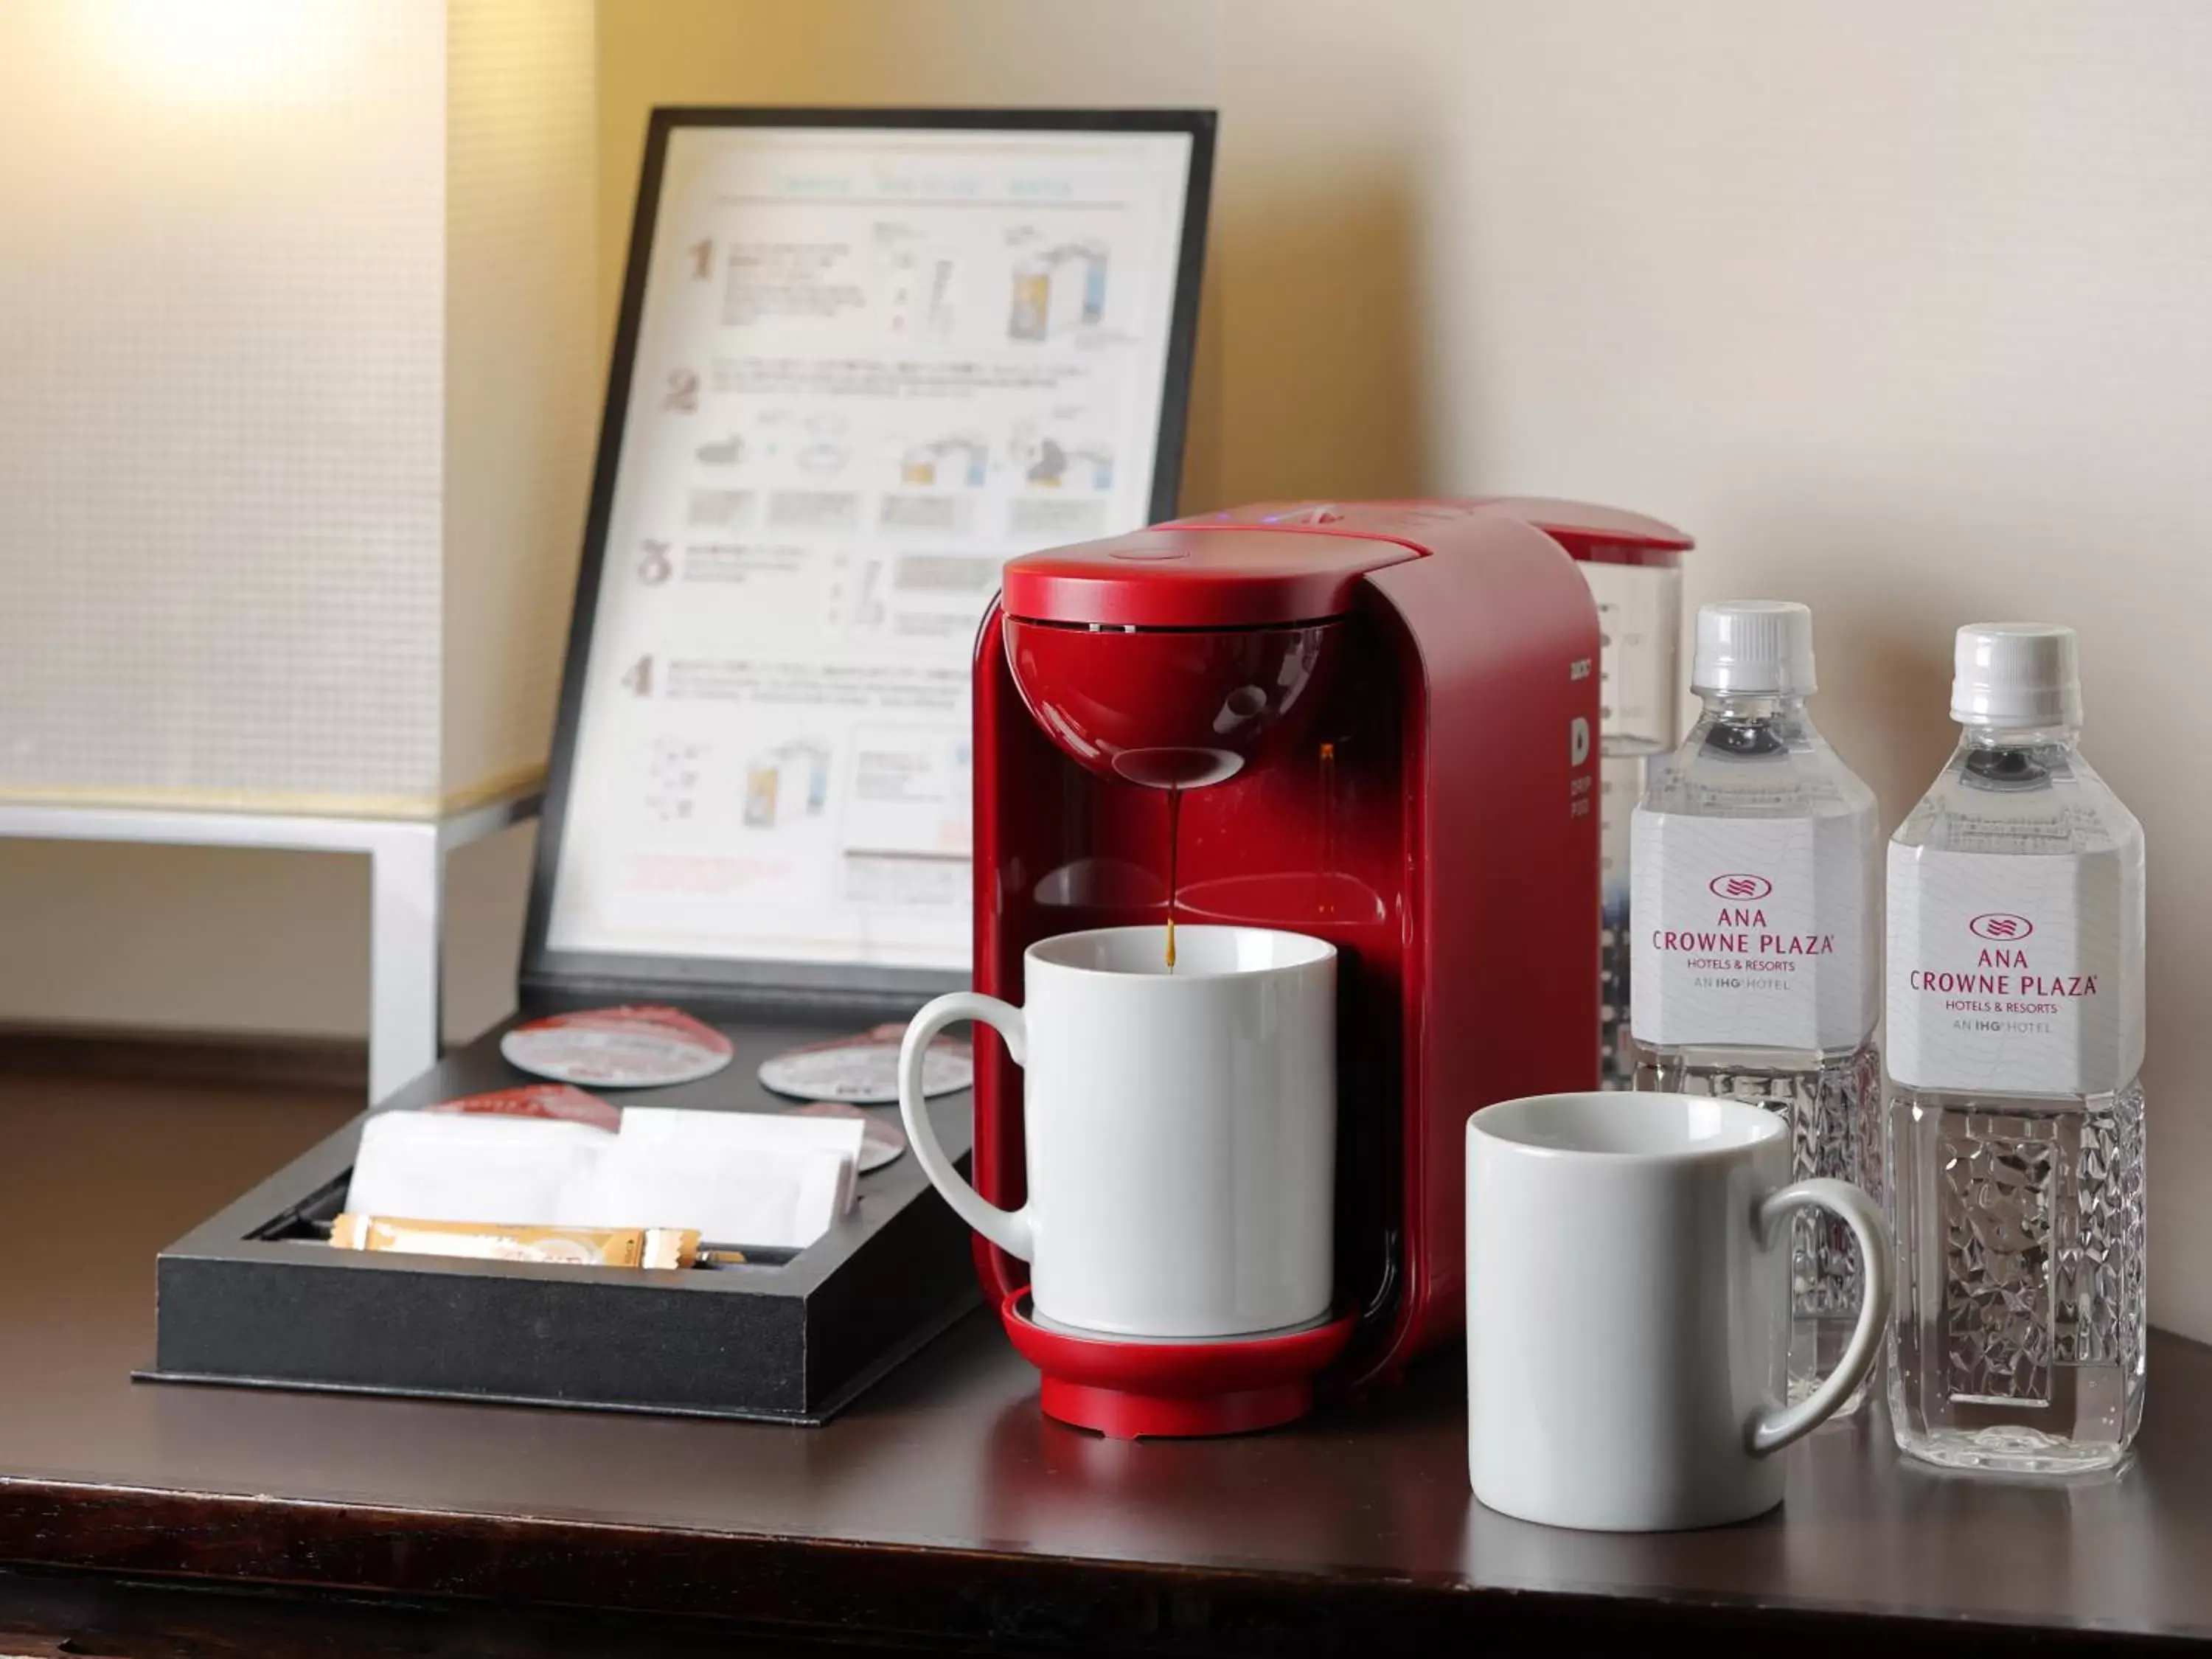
863	357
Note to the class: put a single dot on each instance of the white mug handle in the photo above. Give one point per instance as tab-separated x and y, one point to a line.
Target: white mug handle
1009	1230
1771	1431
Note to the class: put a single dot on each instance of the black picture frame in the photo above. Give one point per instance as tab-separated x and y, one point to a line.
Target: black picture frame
768	982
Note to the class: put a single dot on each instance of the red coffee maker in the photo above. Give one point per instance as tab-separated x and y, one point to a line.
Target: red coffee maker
1377	723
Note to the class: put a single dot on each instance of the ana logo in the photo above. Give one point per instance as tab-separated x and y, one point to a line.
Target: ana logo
1739	887
1999	926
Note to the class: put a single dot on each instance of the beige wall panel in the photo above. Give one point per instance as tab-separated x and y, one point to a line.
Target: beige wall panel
274	447
222	246
524	368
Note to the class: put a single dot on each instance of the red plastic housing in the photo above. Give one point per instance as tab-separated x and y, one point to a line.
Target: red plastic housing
1426	800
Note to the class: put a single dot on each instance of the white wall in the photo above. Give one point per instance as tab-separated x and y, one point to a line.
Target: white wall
1900	306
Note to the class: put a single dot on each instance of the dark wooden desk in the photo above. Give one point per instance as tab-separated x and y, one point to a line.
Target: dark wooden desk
941	1512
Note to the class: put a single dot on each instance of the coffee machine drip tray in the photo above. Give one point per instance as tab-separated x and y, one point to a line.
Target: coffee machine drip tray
1128	1389
1080	1334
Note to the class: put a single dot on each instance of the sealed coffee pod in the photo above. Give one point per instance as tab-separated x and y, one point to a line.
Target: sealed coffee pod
881	1138
574	1247
862	1069
557	1101
622	1047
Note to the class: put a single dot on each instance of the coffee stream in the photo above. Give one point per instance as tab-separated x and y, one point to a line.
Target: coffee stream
1175	816
1322	900
1174	841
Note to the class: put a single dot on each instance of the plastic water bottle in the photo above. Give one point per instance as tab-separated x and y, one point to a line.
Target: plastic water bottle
2015	1109
1755	851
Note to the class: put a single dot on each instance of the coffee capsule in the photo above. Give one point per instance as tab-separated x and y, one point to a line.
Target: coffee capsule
557	1101
881	1137
634	1046
863	1069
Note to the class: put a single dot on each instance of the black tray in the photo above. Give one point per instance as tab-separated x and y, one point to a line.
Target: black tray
253	1295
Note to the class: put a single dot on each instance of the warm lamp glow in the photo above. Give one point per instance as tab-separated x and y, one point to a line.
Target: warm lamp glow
224	49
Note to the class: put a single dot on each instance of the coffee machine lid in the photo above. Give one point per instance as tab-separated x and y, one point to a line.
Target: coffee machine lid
1187	575
1596	535
1280	562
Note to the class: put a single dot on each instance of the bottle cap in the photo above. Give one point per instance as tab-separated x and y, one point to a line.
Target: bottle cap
1760	647
2016	674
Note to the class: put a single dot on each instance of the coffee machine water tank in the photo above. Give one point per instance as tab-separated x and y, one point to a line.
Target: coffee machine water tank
1637	587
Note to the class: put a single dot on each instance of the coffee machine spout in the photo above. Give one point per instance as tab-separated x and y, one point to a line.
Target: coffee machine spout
1171	708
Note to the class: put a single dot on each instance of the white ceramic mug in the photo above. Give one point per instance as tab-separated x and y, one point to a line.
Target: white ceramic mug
1628	1309
1181	1128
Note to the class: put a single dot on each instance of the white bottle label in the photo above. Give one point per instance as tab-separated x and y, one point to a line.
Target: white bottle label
1753	931
2014	974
